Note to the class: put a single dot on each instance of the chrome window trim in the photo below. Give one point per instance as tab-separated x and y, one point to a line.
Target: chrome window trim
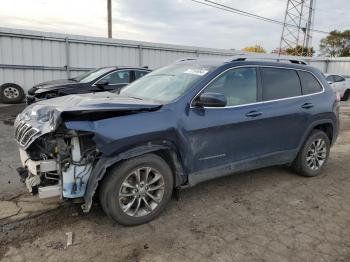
260	102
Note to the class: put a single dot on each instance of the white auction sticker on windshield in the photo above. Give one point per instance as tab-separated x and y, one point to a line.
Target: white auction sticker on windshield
196	71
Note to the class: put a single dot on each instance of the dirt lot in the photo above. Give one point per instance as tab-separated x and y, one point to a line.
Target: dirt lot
265	215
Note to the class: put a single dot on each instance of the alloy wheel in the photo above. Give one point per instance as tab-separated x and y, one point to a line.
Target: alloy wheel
141	192
316	154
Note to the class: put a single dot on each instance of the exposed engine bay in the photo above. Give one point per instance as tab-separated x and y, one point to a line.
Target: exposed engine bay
59	164
66	146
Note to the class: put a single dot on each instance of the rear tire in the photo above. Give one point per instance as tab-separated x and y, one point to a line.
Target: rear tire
137	190
313	155
346	95
11	93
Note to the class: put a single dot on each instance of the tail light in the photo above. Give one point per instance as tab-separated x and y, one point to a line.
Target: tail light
337	95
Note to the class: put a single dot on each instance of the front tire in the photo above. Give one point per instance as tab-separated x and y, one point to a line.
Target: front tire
137	190
313	155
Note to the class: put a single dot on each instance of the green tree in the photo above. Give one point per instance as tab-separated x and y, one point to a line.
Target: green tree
254	49
295	51
300	51
337	43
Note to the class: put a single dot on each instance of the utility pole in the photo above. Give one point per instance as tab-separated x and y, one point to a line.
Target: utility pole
109	15
297	26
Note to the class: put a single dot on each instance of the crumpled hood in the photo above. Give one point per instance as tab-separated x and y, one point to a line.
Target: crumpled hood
54	83
45	116
95	101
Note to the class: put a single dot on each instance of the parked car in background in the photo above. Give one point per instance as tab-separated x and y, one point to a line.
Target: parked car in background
339	84
97	80
178	126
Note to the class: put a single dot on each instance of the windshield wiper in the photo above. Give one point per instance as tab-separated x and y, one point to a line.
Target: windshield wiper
73	79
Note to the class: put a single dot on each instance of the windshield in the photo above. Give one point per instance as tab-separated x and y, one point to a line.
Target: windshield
92	75
167	83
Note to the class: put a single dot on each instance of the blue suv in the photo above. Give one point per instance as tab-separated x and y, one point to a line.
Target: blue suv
180	125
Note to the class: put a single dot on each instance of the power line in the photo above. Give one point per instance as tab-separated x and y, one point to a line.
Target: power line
320	9
248	14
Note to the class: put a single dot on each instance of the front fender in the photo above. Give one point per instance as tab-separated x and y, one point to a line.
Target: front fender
105	162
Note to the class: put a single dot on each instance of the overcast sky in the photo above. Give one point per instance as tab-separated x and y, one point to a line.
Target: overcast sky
169	21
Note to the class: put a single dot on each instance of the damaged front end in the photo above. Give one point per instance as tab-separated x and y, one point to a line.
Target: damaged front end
57	160
57	163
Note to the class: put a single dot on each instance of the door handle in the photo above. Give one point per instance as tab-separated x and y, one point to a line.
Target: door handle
307	105
253	114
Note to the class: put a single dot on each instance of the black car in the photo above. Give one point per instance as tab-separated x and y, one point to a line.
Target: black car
101	79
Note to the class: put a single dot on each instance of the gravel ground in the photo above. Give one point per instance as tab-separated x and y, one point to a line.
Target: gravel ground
10	186
266	215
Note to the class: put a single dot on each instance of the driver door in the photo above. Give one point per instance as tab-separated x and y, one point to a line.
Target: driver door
220	136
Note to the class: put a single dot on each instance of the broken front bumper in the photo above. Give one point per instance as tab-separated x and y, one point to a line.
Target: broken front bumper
31	175
50	178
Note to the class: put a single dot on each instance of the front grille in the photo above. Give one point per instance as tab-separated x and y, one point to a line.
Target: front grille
24	133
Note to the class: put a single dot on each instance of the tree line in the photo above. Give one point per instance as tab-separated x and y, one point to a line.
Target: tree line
336	44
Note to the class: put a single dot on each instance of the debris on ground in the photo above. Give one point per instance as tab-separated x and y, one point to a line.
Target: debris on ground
69	239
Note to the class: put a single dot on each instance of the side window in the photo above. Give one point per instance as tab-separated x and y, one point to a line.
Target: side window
118	77
279	83
139	74
239	85
309	83
338	78
330	78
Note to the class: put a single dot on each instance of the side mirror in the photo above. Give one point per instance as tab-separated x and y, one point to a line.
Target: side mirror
101	83
210	100
330	82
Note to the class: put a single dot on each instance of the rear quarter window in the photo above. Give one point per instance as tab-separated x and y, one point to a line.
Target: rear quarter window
279	83
309	83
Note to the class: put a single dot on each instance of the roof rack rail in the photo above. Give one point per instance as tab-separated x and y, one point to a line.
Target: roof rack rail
186	59
276	59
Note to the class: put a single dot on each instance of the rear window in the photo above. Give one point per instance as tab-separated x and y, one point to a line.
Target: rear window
309	83
279	83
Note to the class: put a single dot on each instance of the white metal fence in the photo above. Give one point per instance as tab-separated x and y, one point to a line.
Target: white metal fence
31	57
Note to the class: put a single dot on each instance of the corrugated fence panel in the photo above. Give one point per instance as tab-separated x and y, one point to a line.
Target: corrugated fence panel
31	57
318	64
340	67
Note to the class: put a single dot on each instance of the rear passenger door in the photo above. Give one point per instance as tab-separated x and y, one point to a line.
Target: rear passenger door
284	111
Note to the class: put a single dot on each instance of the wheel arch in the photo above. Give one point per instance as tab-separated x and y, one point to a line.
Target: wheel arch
165	149
346	94
326	125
